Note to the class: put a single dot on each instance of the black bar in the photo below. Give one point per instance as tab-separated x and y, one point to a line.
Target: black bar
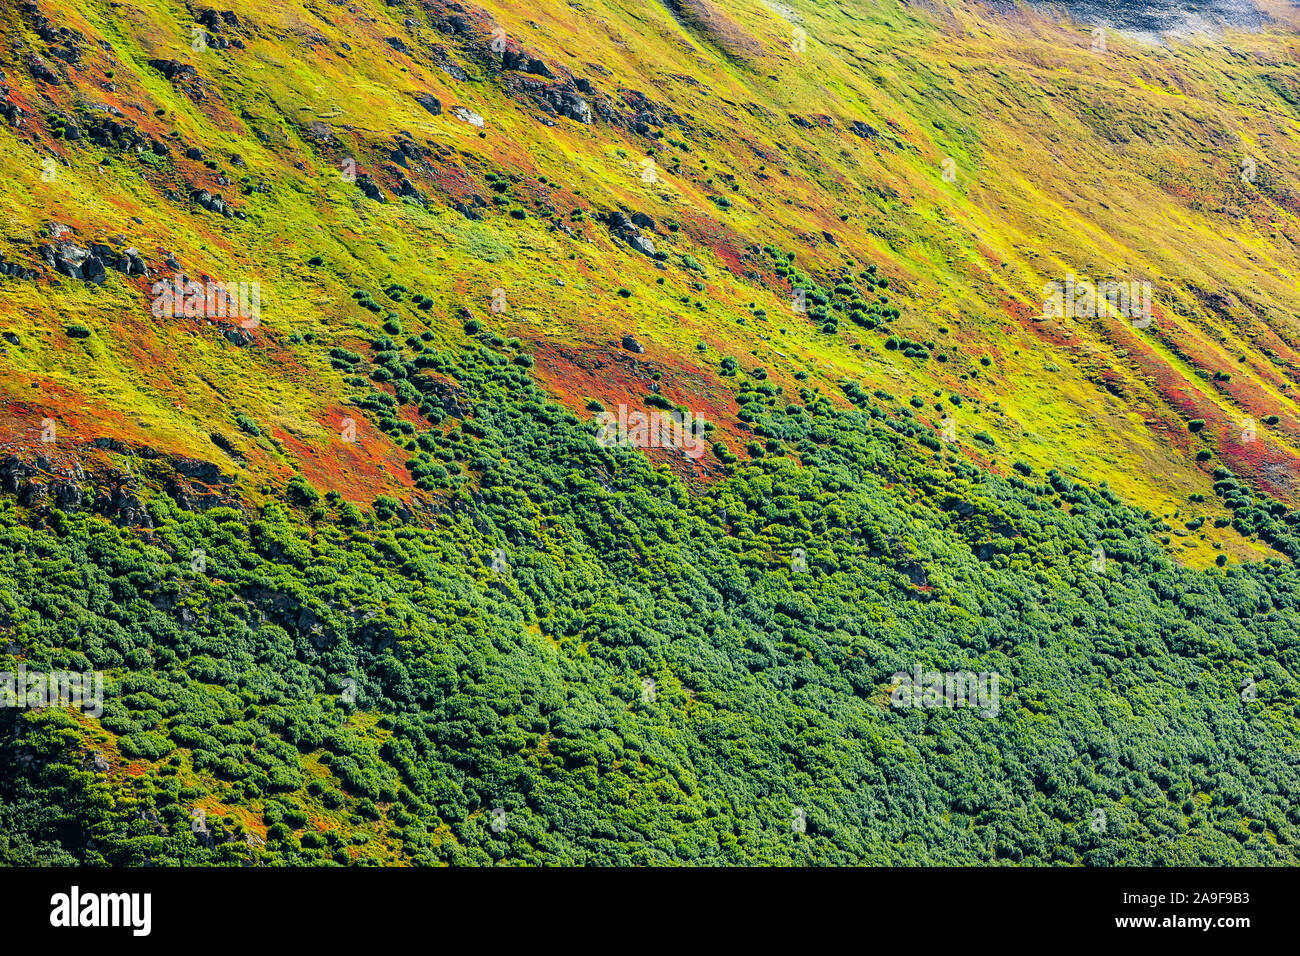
331	906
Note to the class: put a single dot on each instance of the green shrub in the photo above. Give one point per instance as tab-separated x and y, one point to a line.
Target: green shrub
246	424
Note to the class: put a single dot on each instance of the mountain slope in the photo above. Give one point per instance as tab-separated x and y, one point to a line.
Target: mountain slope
359	571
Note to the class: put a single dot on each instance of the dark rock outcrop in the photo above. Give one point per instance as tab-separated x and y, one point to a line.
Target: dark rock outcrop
42	72
15	271
106	127
570	104
367	186
219	26
12	112
215	203
625	229
175	70
75	262
452	68
123	507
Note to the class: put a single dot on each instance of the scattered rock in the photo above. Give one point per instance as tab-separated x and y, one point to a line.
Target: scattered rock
12	112
101	128
215	20
469	116
16	271
367	186
132	264
632	345
517	60
93	270
67	495
122	507
217	25
449	396
199	470
643	244
42	72
213	203
75	262
429	102
570	104
624	228
175	70
453	69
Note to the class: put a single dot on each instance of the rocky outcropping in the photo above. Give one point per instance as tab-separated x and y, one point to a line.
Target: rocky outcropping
215	203
42	72
37	482
624	228
518	60
90	264
15	271
75	262
106	127
12	112
368	186
469	116
174	70
64	43
220	26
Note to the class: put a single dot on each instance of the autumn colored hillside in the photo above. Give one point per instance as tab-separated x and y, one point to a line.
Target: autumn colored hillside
276	275
618	171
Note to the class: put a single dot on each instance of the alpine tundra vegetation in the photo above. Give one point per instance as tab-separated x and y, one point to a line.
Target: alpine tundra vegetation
635	432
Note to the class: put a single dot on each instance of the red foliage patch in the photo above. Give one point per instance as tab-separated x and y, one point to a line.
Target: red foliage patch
575	374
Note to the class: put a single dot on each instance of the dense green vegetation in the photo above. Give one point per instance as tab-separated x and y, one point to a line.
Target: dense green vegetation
372	686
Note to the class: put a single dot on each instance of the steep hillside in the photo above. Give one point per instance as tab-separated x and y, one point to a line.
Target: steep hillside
367	582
